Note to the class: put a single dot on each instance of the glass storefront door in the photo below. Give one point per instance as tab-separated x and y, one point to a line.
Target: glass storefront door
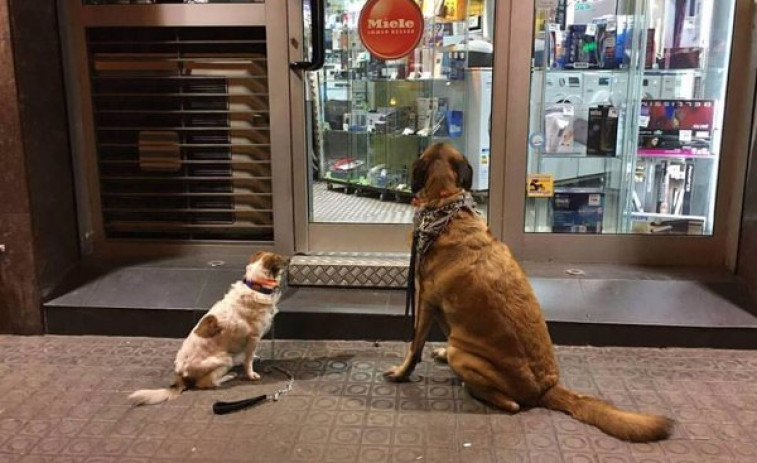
369	117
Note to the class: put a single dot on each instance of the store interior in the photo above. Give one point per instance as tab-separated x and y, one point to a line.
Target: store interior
626	113
372	118
627	106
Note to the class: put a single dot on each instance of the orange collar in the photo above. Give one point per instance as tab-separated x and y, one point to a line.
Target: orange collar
263	286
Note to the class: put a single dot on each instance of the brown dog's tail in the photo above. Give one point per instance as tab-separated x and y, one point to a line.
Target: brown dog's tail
628	426
156	396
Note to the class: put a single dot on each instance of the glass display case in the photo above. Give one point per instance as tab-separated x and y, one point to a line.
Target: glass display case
156	2
627	109
373	117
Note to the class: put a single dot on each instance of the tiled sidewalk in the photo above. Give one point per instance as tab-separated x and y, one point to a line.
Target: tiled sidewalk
64	400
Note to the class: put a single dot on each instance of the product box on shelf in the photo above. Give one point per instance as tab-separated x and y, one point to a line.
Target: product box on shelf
603	43
388	119
609	136
425	63
453	65
650	58
678	87
670	226
676	127
581	47
602	137
683	23
430	115
355	121
559	129
651	87
613	38
594	133
563	87
444	33
556	55
682	58
598	88
577	210
664	187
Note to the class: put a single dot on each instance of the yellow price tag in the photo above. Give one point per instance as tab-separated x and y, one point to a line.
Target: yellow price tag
540	186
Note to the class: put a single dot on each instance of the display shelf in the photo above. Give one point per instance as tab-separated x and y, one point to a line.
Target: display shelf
436	138
580	71
712	157
360	49
384	80
578	155
675	72
656	216
158	2
384	194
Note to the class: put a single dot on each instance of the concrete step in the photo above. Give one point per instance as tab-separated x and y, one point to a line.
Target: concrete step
603	305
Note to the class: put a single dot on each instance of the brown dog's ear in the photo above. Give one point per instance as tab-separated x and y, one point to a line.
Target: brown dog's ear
420	172
464	174
256	256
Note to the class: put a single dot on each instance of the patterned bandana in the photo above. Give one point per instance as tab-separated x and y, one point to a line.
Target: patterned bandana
429	224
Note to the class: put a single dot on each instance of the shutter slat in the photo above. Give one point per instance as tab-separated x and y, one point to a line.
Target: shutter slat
181	118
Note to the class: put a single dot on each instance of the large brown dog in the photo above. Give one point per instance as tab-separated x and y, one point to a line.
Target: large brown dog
498	342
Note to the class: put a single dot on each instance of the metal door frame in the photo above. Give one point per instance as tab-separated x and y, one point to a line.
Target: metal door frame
74	18
356	237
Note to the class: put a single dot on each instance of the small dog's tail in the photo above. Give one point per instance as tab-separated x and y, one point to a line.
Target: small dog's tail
156	396
628	426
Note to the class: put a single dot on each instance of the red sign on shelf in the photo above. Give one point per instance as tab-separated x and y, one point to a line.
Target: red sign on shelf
391	29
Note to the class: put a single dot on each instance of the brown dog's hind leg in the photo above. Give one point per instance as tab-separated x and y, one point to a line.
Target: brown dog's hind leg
494	397
440	355
423	327
485	387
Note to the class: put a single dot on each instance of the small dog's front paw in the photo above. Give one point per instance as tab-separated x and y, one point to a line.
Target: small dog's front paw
396	374
254	376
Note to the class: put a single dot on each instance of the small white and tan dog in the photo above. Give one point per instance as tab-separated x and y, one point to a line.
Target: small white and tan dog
233	327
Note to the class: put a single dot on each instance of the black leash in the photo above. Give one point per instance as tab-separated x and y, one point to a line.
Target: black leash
428	225
410	294
223	408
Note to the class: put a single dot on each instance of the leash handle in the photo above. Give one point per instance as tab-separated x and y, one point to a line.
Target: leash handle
223	408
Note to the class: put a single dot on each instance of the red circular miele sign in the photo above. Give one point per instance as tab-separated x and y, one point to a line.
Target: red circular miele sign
391	29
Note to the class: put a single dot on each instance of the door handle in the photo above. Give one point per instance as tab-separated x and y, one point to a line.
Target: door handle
318	29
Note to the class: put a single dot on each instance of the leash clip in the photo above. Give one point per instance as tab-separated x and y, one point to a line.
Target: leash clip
277	394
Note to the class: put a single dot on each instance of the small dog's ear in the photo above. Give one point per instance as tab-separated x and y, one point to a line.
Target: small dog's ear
256	256
464	174
420	172
277	264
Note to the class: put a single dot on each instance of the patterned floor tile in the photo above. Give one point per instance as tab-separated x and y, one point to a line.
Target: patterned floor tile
66	403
